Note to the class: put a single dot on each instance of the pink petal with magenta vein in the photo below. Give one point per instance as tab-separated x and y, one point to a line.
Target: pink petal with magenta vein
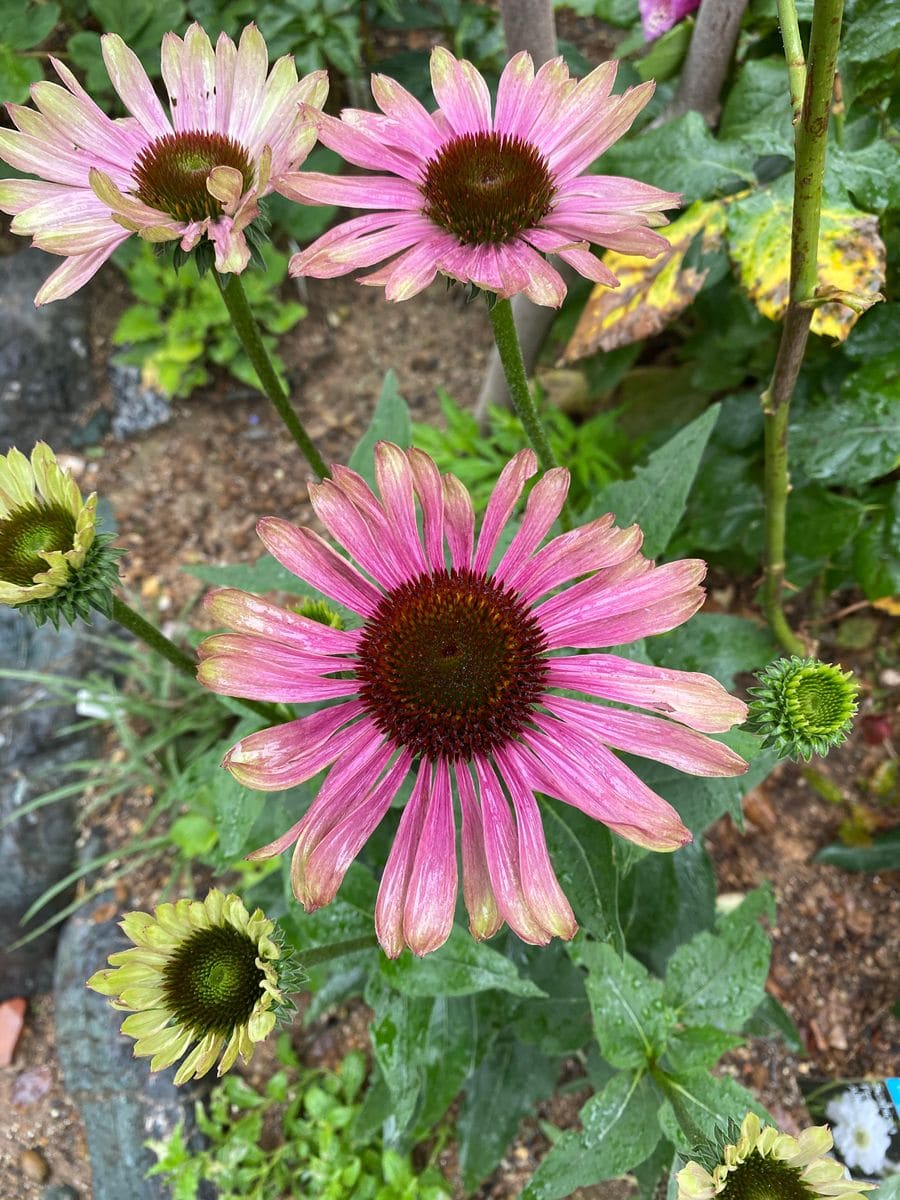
310	557
431	891
478	894
687	696
391	901
503	500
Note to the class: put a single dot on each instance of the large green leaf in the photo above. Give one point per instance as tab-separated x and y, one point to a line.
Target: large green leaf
665	900
619	1129
503	1090
448	1060
560	1024
857	438
682	156
882	854
390	423
399	1035
460	967
582	852
758	109
657	494
630	1020
710	1102
718	978
869	59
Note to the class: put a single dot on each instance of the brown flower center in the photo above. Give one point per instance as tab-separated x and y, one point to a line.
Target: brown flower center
451	665
171	172
25	533
487	188
211	984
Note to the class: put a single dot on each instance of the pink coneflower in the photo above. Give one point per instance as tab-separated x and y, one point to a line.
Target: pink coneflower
480	198
454	676
233	133
658	16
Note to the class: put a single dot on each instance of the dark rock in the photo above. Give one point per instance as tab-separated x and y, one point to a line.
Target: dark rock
121	1102
59	1191
45	374
138	408
37	850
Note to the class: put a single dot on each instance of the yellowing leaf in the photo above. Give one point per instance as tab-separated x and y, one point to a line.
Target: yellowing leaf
851	258
888	604
652	291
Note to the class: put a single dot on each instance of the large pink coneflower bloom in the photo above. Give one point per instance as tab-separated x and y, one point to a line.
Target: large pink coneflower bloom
454	676
232	135
483	198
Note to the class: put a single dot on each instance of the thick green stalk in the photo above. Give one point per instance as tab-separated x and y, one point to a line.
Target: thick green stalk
320	954
152	637
510	352
809	173
246	328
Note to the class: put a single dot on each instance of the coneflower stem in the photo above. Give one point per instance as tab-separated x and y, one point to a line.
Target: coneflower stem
246	328
320	954
156	640
510	352
810	133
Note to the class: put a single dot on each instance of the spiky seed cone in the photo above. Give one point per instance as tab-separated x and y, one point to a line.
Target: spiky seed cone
803	706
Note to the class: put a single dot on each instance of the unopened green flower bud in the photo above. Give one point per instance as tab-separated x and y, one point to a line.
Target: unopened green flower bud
319	610
803	706
53	563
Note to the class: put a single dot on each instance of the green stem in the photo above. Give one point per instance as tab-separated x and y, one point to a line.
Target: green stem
793	53
246	328
809	173
671	1091
320	954
510	352
151	636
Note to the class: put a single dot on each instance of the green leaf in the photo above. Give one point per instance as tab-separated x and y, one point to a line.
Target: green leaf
139	323
26	25
656	497
869	58
649	1172
682	156
448	1060
666	53
348	916
561	1024
699	1047
770	1017
871	175
876	551
883	854
390	423
718	978
710	1102
236	809
856	438
17	75
716	644
503	1090
399	1035
758	109
630	1020
460	967
582	853
666	899
619	1129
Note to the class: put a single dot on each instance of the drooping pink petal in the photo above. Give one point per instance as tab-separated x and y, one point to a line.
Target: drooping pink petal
429	489
501	851
310	557
391	902
478	894
431	891
544	505
650	737
246	613
317	880
461	93
579	552
133	86
74	273
460	522
580	771
395	484
541	887
687	696
288	754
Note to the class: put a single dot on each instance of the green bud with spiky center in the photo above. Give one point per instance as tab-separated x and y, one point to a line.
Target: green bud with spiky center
803	706
86	590
321	611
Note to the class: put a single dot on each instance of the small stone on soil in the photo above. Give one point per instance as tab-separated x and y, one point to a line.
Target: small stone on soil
33	1166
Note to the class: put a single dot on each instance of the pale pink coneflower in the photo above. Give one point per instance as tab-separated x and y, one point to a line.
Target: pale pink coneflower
483	198
233	133
658	16
454	675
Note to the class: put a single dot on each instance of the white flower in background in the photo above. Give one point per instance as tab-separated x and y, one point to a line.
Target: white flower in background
862	1135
